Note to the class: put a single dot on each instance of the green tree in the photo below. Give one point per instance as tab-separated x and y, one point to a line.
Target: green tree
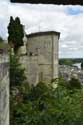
45	105
17	75
17	85
16	33
82	65
74	83
1	40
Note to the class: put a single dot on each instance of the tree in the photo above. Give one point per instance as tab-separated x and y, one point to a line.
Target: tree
17	85
16	33
1	40
82	65
45	105
17	75
74	83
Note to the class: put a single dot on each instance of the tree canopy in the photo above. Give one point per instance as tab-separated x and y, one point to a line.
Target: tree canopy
17	75
45	105
82	65
1	40
16	33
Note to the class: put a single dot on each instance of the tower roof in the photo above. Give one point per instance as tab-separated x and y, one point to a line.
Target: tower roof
43	33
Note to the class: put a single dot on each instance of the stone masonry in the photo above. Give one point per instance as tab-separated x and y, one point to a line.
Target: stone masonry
4	88
39	56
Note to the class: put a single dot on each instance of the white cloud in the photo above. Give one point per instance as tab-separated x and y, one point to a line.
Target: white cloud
48	17
64	46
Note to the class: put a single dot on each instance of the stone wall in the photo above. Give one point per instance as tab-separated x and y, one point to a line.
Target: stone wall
4	92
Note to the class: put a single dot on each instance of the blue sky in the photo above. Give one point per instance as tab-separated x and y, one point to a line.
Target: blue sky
74	11
66	19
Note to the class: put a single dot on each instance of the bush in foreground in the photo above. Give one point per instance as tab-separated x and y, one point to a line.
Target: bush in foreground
44	105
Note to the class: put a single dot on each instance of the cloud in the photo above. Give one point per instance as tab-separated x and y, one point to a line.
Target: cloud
65	19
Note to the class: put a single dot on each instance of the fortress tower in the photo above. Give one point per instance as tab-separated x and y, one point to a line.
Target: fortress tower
40	56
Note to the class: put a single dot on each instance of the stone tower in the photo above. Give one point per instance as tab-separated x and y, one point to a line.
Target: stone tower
41	57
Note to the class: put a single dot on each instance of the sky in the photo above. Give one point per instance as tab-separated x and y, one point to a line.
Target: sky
68	20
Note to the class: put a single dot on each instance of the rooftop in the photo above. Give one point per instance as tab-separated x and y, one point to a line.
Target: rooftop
43	33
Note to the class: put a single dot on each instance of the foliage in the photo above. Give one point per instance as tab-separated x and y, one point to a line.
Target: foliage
1	40
17	76
74	83
17	85
82	65
70	61
16	33
43	105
